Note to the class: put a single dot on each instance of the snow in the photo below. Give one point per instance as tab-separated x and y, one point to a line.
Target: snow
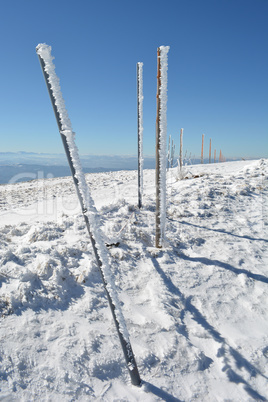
163	136
196	310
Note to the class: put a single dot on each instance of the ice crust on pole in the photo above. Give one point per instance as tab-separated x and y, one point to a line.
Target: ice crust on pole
140	128
163	135
44	51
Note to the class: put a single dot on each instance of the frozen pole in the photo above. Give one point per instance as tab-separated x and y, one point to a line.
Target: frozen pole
168	155
210	150
157	157
161	134
140	131
214	155
202	149
87	205
172	154
181	139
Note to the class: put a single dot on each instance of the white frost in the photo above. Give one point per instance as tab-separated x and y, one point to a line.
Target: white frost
44	51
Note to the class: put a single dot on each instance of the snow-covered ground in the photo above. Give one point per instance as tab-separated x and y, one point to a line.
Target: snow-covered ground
196	310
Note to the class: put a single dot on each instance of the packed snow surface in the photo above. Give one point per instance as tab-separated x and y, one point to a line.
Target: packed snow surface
196	310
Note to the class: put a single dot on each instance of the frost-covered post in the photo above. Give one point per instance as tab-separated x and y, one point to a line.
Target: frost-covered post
168	155
172	154
210	150
87	205
214	155
202	149
140	131
181	139
161	134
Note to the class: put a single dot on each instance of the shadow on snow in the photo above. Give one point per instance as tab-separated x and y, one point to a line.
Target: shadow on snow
240	361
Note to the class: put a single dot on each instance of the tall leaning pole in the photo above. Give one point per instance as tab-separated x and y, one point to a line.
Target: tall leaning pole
89	211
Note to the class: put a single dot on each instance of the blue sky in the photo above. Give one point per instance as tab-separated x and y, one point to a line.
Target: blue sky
217	76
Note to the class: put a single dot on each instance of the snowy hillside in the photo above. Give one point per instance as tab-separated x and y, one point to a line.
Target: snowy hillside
196	310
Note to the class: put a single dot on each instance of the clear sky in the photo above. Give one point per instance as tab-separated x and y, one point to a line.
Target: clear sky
217	76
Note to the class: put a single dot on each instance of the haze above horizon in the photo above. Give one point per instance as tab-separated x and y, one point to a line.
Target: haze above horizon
217	74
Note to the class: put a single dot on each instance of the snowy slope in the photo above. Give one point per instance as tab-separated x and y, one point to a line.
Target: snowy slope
196	310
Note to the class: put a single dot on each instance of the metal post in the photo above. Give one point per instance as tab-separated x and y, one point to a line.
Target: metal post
168	156
202	149
126	346
172	154
210	151
181	138
139	92
157	156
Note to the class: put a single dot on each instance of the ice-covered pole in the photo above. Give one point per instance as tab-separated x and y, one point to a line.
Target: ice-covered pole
140	130
172	153
181	142
87	205
202	149
168	155
161	135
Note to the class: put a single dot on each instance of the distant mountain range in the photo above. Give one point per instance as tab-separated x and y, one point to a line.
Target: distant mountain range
90	161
